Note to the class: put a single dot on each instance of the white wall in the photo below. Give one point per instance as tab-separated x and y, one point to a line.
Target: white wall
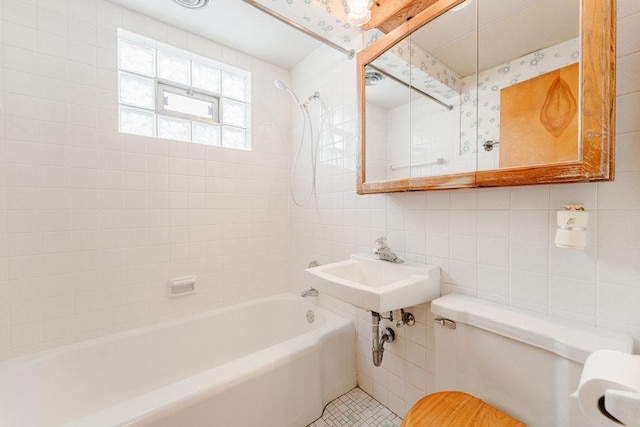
92	222
493	243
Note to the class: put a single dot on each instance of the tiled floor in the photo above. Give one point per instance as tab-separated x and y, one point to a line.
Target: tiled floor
356	408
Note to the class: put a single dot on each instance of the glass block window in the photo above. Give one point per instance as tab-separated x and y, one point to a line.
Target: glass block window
170	93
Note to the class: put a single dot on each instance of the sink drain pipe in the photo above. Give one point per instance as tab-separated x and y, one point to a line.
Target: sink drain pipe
379	339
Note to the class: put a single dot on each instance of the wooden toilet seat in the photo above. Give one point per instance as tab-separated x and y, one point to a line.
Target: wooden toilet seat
455	408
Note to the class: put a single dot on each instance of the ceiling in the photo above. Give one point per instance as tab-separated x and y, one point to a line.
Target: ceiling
235	24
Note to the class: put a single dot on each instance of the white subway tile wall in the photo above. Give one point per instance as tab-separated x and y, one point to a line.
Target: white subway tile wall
94	222
493	243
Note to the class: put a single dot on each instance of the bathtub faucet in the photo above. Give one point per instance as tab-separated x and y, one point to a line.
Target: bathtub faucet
313	292
384	252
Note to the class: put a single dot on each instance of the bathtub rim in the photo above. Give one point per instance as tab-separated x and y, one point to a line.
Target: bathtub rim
10	365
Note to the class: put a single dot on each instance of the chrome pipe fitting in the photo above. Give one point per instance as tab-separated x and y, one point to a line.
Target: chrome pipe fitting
379	339
406	318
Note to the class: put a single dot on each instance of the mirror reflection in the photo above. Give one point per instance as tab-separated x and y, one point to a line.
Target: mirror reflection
388	122
528	82
489	84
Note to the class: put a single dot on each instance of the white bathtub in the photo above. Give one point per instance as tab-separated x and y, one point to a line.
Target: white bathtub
259	363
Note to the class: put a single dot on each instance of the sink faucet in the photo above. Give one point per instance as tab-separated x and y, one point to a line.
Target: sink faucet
384	252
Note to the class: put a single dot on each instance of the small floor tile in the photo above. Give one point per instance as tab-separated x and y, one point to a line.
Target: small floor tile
356	409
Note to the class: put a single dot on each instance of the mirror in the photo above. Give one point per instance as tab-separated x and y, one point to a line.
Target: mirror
489	93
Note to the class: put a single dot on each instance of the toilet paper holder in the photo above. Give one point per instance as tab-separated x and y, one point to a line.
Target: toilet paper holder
621	406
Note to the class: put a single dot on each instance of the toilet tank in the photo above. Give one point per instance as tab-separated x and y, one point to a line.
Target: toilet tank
526	365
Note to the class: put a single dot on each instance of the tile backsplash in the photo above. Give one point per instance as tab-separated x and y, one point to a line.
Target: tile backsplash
496	244
93	222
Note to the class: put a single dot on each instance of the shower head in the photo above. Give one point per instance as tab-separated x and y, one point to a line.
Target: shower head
314	96
280	85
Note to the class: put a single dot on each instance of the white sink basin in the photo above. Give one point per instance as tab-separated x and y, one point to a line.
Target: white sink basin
370	283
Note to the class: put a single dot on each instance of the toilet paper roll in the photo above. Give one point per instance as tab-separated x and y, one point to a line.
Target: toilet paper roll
572	229
607	370
571	239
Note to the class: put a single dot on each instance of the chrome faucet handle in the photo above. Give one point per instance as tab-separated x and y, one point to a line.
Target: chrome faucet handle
381	242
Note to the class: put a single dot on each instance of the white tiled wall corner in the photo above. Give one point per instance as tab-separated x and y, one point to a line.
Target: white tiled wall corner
93	222
493	243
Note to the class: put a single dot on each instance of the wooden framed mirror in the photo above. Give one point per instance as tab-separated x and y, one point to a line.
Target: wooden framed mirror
485	93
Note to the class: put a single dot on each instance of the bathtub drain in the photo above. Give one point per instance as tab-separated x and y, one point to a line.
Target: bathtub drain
310	316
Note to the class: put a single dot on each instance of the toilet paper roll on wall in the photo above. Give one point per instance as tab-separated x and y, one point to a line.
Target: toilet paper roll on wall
571	239
572	229
608	370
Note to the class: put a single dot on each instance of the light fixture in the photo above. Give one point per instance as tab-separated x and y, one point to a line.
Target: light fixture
359	12
372	78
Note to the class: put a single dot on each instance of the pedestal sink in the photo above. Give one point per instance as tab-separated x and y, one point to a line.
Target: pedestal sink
379	286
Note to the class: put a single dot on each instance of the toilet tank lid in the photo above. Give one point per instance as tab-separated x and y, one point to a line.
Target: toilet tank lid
573	342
